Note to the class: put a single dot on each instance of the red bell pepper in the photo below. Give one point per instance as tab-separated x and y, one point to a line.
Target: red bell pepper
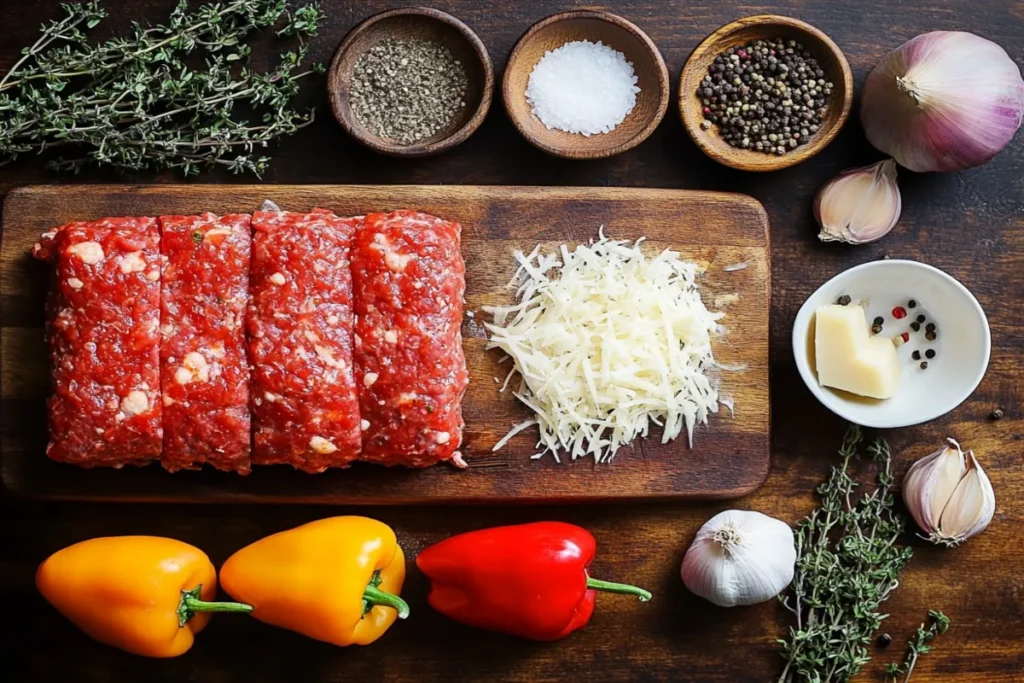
528	580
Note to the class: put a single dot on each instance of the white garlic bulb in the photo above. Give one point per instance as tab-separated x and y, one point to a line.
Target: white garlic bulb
740	558
949	495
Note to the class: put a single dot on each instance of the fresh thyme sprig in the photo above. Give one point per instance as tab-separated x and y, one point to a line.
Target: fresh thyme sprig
174	96
848	564
938	623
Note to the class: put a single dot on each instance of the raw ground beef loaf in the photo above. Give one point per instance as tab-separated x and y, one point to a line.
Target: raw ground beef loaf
103	313
300	321
204	369
409	281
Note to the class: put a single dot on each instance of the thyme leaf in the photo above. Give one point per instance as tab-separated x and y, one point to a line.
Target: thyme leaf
938	623
175	96
848	564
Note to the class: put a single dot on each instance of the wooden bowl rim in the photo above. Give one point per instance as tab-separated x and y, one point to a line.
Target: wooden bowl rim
616	20
744	159
457	136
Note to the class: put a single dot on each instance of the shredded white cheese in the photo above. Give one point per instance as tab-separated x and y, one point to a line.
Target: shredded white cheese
607	341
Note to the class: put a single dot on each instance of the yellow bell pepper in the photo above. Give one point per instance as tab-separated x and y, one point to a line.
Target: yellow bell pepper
143	594
335	580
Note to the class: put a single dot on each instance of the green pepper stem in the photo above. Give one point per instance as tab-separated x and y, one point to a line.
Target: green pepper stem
375	596
623	588
191	604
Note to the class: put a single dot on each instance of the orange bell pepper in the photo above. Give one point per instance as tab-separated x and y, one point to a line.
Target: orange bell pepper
143	594
335	579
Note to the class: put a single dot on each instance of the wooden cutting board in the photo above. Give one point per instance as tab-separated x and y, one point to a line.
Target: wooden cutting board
729	458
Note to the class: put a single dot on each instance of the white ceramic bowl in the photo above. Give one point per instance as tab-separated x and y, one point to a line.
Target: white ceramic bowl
962	346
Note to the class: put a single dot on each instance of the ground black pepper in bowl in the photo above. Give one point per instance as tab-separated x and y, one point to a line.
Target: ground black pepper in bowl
407	90
768	96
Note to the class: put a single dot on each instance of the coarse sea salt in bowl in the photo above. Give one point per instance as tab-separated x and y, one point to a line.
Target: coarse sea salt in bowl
614	34
961	346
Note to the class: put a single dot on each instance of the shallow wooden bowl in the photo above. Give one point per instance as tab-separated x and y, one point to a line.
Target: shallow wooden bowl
613	31
821	47
414	23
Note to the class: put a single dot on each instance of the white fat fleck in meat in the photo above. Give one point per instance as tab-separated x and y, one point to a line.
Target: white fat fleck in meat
217	350
328	358
369	378
391	337
364	425
132	262
168	401
311	336
322	445
135	402
153	275
406	398
458	461
89	252
194	367
442	437
396	262
270	397
167	329
277	279
75	283
100	430
308	306
216	231
332	320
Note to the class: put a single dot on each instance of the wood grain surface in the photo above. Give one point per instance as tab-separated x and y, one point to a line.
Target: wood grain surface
729	459
970	224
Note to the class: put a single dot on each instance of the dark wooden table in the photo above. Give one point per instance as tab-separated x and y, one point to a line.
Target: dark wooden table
970	224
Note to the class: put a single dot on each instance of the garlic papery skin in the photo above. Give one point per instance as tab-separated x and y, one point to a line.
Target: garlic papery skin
943	101
740	557
949	495
860	205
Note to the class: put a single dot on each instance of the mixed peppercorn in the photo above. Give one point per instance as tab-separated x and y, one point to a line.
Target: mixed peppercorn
768	96
899	313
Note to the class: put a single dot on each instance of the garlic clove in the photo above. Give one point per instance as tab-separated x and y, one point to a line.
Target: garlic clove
859	205
970	507
740	557
930	484
949	495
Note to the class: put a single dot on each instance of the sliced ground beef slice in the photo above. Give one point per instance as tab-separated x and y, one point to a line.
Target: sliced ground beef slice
409	280
203	364
103	317
300	320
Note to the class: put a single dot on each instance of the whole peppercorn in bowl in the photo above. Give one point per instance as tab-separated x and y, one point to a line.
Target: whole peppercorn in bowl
764	93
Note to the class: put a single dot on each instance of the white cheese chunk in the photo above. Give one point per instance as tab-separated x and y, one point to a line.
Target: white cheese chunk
847	357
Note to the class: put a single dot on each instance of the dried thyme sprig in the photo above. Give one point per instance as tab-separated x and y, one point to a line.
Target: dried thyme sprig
169	96
848	564
938	623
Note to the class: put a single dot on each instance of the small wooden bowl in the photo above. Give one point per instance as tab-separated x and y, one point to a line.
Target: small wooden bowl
407	23
821	47
613	31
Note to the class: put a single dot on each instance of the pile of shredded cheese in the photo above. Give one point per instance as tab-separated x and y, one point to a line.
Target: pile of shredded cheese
607	341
